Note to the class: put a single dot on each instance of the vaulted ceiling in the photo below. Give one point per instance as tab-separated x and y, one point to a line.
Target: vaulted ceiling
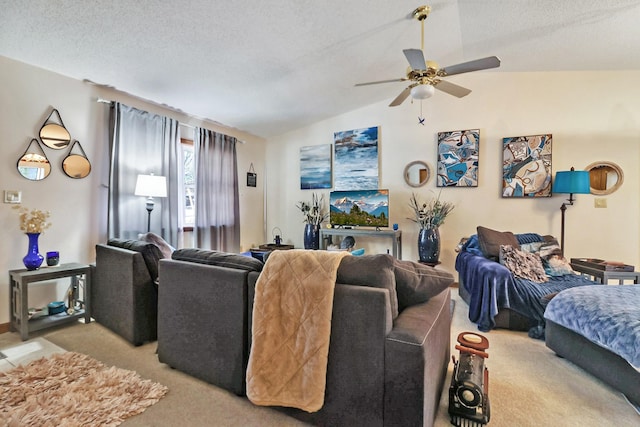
267	67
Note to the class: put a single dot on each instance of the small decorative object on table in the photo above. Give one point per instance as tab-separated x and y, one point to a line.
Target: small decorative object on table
314	216
53	258
33	222
429	216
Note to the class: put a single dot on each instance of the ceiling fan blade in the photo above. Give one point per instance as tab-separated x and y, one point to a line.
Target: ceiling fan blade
400	98
381	81
476	65
452	89
415	58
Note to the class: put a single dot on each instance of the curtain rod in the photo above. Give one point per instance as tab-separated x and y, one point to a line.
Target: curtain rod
106	101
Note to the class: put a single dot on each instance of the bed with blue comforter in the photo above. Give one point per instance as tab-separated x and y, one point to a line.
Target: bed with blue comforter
489	287
598	329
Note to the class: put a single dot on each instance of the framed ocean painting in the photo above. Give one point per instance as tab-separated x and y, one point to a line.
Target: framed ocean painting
526	166
458	158
356	159
315	167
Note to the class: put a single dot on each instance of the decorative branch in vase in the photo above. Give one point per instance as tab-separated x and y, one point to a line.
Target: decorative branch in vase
314	215
429	216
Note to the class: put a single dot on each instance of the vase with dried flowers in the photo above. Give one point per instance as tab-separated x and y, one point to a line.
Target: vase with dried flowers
33	222
429	216
314	215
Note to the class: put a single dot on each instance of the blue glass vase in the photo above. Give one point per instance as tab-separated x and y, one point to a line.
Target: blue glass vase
312	236
33	260
429	245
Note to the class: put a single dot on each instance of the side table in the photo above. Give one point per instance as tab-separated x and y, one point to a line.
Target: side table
19	281
605	275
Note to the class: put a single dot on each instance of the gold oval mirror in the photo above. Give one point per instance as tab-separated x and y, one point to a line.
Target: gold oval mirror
417	173
54	135
604	177
76	165
34	166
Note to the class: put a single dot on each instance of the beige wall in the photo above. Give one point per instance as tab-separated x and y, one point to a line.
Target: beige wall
78	207
593	116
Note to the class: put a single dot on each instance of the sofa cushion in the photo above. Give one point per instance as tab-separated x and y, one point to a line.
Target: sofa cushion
220	259
151	254
417	283
376	271
162	244
490	241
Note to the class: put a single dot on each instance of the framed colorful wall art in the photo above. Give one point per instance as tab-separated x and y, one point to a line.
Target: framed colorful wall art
526	166
458	158
356	159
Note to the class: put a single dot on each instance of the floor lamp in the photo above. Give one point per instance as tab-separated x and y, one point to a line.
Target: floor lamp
151	186
570	182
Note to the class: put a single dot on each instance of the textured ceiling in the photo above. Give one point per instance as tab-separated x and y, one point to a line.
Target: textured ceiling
267	67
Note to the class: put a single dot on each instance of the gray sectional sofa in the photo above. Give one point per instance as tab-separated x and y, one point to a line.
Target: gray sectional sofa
390	333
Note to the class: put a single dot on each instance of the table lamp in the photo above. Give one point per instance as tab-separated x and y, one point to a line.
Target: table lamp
571	182
151	186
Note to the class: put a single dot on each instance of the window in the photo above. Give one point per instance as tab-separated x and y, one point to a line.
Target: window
189	184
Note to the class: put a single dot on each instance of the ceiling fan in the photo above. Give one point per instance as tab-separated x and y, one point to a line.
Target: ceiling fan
426	76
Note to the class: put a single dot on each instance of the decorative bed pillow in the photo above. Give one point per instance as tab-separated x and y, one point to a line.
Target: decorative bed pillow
554	263
417	283
491	240
523	264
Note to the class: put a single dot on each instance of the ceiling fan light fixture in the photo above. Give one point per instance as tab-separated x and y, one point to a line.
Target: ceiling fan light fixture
423	91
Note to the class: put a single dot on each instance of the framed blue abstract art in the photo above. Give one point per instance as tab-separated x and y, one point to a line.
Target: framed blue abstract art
458	158
526	166
315	167
356	159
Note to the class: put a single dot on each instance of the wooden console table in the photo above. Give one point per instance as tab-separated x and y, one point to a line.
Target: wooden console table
19	281
394	235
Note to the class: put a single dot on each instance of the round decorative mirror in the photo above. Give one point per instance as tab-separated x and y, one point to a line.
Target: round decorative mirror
604	177
54	135
76	165
34	166
417	173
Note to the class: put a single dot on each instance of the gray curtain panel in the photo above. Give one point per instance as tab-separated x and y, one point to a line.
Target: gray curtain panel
217	202
143	143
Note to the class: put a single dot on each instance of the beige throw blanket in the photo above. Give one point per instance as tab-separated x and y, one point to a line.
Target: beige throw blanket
291	329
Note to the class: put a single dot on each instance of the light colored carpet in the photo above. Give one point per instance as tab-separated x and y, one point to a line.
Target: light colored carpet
528	384
73	389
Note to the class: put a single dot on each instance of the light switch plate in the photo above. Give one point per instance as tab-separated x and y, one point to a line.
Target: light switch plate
600	202
11	196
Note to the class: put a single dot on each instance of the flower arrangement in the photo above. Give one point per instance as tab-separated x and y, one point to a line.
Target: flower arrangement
313	212
33	221
431	214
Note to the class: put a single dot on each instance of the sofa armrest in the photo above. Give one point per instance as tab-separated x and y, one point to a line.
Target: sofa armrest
202	321
416	360
123	295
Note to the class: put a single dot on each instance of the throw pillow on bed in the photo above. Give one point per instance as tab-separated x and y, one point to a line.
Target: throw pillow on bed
490	241
523	264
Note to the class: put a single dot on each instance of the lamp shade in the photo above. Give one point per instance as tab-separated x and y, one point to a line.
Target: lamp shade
151	186
422	91
572	182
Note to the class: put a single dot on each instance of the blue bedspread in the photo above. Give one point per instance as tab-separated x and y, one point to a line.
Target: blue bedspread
606	315
492	287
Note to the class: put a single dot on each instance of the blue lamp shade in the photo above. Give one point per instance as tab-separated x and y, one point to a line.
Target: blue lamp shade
572	182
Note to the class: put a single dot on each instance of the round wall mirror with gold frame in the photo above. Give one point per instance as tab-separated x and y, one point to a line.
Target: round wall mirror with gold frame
604	177
417	173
